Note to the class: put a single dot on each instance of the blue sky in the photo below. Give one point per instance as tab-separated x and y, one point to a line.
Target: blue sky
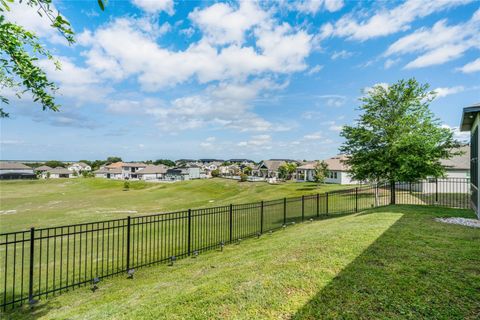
163	79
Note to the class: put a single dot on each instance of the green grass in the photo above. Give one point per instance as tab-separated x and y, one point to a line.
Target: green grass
58	202
391	262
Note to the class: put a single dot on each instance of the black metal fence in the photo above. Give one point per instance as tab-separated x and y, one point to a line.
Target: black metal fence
40	262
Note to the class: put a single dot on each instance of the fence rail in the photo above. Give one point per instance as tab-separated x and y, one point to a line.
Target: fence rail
42	261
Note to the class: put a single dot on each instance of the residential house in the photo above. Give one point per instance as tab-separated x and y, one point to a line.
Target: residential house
42	169
152	172
182	173
268	168
306	171
337	171
230	170
109	173
57	173
15	170
242	162
79	167
470	122
208	161
458	166
130	169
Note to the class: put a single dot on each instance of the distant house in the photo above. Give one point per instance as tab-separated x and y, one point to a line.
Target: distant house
130	169
57	173
42	169
183	173
207	161
230	170
458	166
242	162
152	172
105	172
268	168
337	171
79	167
15	170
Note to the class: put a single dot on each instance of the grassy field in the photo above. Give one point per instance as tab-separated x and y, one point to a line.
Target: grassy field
58	202
393	262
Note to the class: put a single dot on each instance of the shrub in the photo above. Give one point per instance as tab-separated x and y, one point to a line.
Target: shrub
215	173
243	177
126	185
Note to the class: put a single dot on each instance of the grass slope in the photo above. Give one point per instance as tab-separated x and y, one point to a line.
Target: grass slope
58	202
392	262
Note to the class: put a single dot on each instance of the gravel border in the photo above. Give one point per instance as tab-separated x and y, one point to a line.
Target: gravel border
474	223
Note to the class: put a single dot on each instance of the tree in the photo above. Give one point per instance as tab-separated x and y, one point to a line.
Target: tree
166	162
215	173
287	170
321	171
20	48
247	170
113	160
55	163
243	177
397	137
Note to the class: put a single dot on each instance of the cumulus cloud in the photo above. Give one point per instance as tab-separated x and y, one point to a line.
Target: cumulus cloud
343	54
446	91
315	69
314	6
385	21
438	44
263	141
155	6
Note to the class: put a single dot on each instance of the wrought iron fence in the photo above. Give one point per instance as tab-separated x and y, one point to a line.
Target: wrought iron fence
40	262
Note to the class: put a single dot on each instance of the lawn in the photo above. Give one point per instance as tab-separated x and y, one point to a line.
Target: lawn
53	202
390	262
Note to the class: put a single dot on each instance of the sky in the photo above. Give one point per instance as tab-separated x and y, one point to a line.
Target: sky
200	79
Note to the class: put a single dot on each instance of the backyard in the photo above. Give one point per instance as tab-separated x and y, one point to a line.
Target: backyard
389	262
55	202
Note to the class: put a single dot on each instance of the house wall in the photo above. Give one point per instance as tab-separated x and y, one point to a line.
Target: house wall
457	174
476	125
193	173
16	171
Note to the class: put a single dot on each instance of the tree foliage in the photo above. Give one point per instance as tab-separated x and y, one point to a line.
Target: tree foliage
215	173
287	170
113	160
19	51
321	171
166	162
55	163
397	137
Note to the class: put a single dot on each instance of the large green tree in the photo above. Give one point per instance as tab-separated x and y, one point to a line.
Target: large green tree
19	51
397	137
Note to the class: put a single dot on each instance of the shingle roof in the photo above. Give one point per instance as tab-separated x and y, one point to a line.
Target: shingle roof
114	165
337	163
272	165
13	166
43	168
310	165
134	164
152	169
461	162
81	164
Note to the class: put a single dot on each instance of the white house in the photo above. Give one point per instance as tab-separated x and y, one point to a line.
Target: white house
15	170
337	171
42	169
57	173
79	167
180	174
152	172
306	171
130	169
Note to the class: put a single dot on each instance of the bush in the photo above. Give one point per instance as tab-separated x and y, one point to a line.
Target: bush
215	173
243	177
126	185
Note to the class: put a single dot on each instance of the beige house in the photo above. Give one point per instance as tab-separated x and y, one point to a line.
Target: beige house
268	168
337	171
152	172
57	173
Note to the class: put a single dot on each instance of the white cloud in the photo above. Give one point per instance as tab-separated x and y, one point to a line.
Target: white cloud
313	6
386	21
446	91
315	69
439	44
313	136
463	136
222	24
121	49
258	141
341	54
471	67
383	85
155	6
390	62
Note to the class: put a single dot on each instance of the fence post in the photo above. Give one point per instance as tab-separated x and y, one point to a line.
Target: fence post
392	192
326	199
189	243
32	254
230	222
436	190
356	199
128	241
318	204
284	211
303	208
261	217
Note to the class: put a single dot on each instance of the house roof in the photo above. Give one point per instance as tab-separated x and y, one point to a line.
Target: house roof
152	169
309	165
240	160
134	164
468	117
337	163
59	170
461	162
177	171
114	165
272	165
13	166
43	168
81	164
